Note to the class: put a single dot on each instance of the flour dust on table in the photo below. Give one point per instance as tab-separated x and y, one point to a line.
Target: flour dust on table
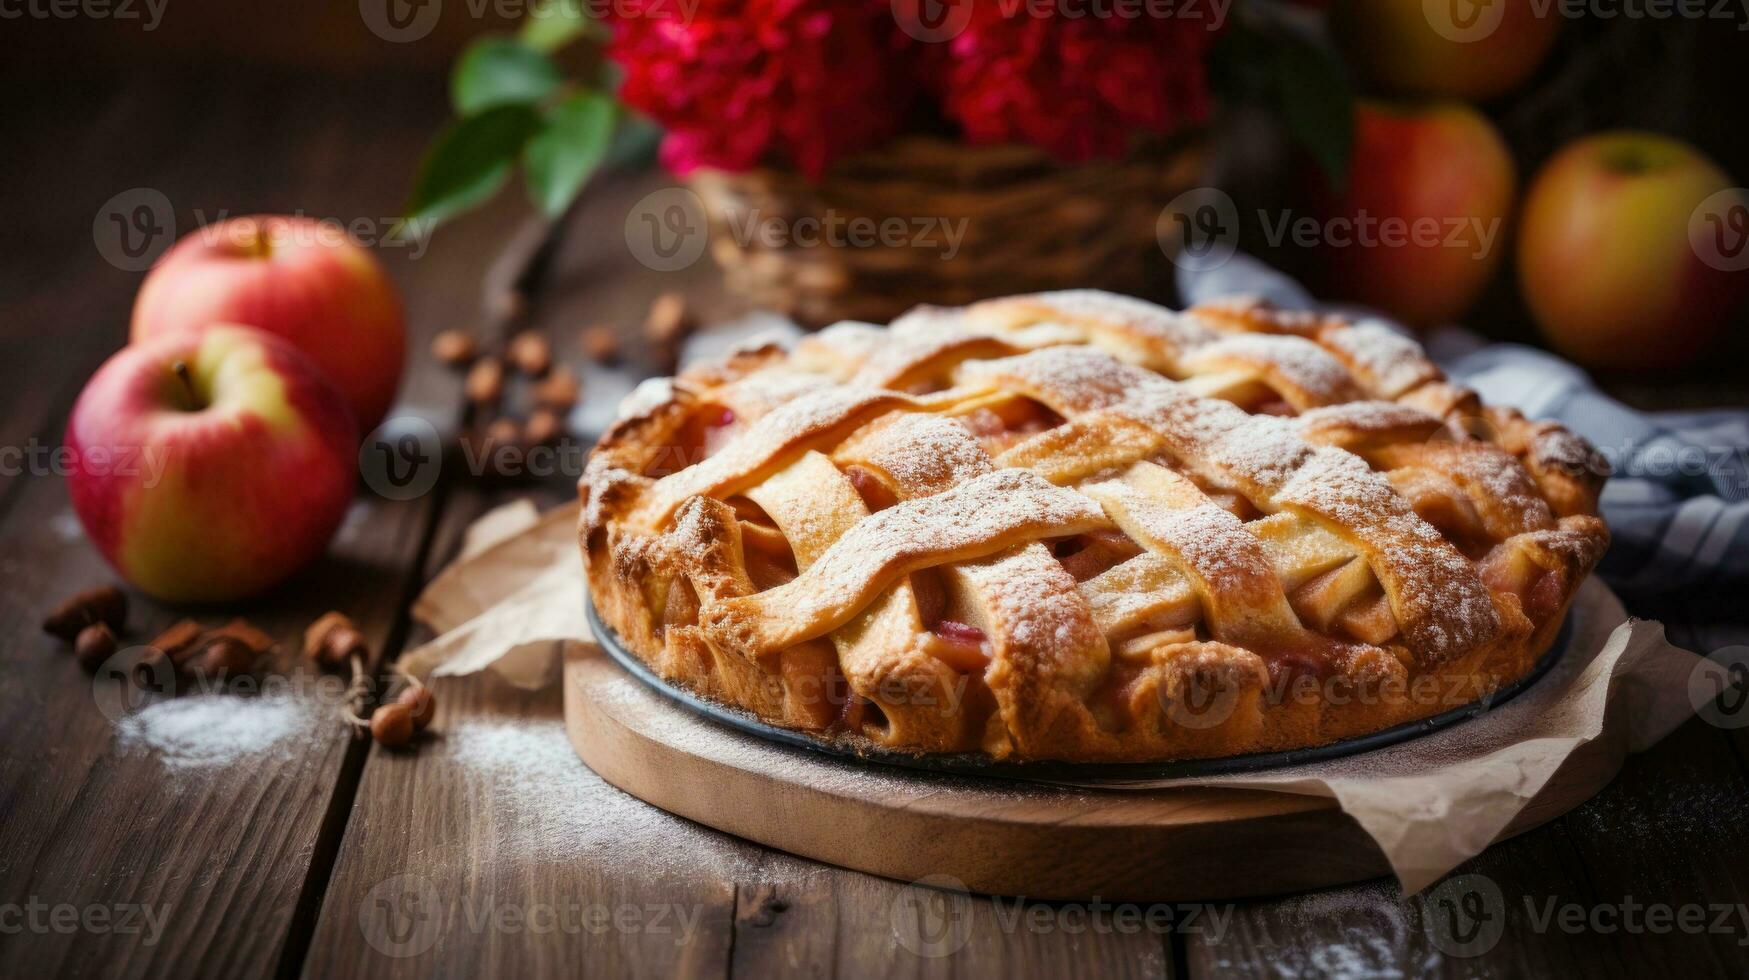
213	730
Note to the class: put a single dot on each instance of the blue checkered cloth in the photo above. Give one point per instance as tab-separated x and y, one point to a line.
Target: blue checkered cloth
1679	496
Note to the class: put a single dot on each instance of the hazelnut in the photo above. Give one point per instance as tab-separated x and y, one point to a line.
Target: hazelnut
333	640
601	343
485	382
342	645
669	321
530	353
667	327
420	701
558	390
246	633
454	348
503	432
392	725
94	645
544	428
108	605
224	656
178	639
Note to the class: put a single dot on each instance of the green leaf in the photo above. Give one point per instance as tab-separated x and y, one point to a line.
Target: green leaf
1316	98
570	148
470	161
497	70
1297	79
551	26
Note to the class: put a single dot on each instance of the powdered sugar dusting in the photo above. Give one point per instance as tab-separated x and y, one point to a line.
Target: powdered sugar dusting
1390	362
1298	362
546	804
976	517
1069	379
926	454
208	731
787	425
1362	931
1338	423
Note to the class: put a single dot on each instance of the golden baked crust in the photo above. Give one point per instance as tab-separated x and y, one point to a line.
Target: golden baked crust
1081	527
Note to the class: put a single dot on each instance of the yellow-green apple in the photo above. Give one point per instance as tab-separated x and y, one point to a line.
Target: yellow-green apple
1416	230
1454	49
303	279
210	464
1616	257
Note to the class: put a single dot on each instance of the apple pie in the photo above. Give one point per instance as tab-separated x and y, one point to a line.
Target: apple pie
1081	527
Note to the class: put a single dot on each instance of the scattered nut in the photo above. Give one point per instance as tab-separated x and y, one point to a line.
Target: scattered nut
601	343
392	725
246	633
455	348
333	640
667	327
483	447
107	604
544	428
178	639
669	321
94	645
530	353
223	656
558	390
420	701
503	432
152	666
485	383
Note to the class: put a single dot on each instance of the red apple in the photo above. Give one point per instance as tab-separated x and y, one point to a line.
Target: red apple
1418	229
1606	258
1453	49
210	464
302	279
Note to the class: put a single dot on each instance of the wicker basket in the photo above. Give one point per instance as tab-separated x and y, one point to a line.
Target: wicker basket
872	239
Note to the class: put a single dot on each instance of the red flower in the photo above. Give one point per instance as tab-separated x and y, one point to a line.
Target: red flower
746	82
1079	87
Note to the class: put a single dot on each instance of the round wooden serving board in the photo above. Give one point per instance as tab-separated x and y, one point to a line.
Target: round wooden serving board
996	836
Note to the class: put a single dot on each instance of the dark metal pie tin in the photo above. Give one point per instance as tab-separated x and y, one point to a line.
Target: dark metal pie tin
852	748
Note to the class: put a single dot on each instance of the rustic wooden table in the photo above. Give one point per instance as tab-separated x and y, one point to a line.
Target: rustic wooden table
263	839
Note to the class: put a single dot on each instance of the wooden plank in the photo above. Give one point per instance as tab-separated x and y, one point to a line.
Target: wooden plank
1370	930
489	849
808	919
1681	810
217	833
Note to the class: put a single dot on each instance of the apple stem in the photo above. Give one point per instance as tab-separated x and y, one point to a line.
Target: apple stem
187	379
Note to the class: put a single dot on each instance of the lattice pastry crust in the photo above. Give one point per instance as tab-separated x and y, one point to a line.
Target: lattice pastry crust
1078	526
